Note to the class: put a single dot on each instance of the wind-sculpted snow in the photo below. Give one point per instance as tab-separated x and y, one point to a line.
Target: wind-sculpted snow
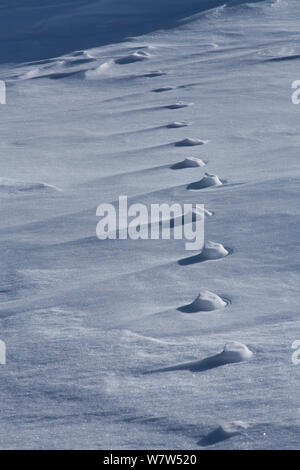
211	251
189	162
232	353
190	142
176	125
205	302
207	181
37	29
85	320
223	432
11	186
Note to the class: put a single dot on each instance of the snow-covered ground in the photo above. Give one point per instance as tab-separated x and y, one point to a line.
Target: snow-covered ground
106	339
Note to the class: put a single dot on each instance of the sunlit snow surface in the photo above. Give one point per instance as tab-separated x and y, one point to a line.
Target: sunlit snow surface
84	320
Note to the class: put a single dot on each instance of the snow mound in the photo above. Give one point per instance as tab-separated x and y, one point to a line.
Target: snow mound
207	181
205	302
176	125
223	432
189	162
137	56
190	142
213	251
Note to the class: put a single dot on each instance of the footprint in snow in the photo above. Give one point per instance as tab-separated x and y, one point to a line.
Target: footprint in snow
189	162
223	432
163	89
10	186
178	105
156	73
177	125
207	181
211	251
137	56
232	353
190	142
205	302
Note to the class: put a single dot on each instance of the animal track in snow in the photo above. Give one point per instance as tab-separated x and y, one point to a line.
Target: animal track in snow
137	56
189	162
155	73
178	105
163	89
60	75
207	181
205	302
214	251
211	251
223	432
190	142
195	215
232	353
199	213
177	125
9	185
84	60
